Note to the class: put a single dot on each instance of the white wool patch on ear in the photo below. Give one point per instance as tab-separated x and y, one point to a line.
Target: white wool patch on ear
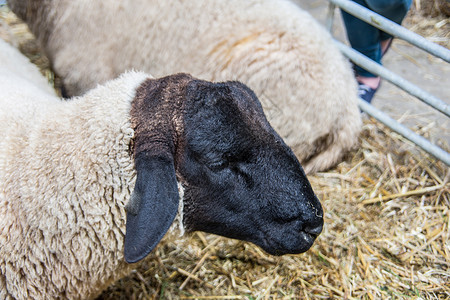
178	223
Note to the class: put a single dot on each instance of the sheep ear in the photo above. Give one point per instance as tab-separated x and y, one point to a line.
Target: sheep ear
153	205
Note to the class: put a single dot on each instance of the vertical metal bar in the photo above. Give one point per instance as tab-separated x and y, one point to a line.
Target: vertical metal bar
330	16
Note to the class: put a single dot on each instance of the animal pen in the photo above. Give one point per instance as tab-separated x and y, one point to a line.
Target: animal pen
386	234
400	32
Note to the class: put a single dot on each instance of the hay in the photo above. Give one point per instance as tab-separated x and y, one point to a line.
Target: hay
386	235
432	8
430	18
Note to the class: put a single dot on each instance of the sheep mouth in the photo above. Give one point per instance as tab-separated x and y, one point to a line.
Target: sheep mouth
289	244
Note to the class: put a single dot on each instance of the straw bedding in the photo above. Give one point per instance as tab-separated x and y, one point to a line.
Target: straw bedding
430	18
386	235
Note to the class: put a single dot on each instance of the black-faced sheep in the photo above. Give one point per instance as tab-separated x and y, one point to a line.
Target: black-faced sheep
69	168
305	85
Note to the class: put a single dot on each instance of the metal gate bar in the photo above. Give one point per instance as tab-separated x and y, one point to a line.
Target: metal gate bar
392	28
405	132
420	141
361	60
390	76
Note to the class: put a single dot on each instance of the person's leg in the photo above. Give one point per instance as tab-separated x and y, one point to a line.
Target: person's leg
366	38
394	10
371	41
363	37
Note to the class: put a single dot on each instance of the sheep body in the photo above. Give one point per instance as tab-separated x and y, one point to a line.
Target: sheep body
98	211
87	223
305	85
14	64
68	168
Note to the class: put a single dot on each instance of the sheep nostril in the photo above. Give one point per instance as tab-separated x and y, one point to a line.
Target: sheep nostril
313	230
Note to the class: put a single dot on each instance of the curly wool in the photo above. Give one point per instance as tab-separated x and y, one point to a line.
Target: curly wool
65	174
306	86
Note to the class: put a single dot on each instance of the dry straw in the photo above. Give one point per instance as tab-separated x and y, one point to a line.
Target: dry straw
386	235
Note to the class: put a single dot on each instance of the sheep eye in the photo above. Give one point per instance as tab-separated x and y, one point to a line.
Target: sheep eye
218	165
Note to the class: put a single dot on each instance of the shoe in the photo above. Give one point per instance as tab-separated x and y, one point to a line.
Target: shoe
365	92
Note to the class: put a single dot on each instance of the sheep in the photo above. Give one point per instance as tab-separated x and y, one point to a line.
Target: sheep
90	185
307	88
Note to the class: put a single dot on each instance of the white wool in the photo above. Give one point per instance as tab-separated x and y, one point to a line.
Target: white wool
178	224
306	86
65	176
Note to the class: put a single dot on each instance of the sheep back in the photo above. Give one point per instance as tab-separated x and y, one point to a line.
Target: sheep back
305	85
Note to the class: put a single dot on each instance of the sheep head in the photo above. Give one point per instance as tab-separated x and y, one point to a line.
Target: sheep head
240	179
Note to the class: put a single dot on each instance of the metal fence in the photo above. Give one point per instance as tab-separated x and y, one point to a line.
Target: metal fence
400	32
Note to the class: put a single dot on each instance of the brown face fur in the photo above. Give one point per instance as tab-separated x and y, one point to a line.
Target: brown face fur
240	179
156	114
